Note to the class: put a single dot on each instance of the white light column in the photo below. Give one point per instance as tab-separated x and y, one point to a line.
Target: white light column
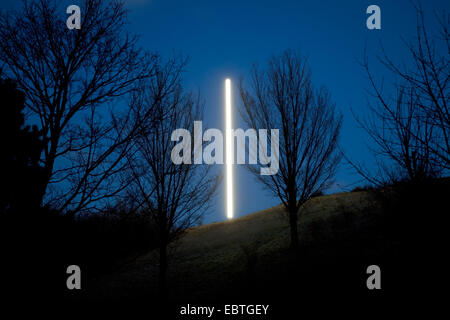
229	149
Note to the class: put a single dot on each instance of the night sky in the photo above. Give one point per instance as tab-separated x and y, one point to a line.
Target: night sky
224	38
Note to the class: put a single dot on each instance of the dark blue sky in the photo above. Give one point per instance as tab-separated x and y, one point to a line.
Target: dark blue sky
223	38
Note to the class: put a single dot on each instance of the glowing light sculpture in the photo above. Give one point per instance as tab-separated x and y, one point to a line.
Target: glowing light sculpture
229	149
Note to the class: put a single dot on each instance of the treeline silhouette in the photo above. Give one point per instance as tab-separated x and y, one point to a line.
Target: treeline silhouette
104	110
39	243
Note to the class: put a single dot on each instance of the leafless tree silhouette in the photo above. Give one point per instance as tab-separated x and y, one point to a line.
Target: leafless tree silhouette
283	97
410	126
70	78
175	195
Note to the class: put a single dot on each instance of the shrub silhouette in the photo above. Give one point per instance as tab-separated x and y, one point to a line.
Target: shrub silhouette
21	148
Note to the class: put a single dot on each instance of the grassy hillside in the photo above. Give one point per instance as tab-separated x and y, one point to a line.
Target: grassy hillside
250	254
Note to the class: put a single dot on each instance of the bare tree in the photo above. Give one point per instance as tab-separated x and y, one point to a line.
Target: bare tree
429	77
175	195
402	134
283	97
410	125
70	78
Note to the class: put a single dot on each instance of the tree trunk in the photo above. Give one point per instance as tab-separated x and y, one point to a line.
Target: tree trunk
293	226
162	286
47	173
44	180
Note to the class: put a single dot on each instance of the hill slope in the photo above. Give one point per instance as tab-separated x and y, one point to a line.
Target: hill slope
227	259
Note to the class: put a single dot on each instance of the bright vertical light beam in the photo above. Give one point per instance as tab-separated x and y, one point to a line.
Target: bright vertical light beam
229	149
